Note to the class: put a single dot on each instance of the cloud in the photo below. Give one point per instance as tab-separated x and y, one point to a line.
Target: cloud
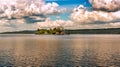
2	22
82	16
106	5
88	19
117	24
17	14
20	8
15	25
51	24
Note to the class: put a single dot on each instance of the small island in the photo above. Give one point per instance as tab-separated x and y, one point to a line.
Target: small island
53	31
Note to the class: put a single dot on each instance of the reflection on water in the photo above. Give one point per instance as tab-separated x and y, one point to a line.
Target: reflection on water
66	50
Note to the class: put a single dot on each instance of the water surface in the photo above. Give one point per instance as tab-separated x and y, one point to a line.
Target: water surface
58	51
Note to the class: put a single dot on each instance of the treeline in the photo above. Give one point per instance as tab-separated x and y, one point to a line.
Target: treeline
94	31
68	31
20	32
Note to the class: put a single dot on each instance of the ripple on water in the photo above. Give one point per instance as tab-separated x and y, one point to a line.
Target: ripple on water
66	50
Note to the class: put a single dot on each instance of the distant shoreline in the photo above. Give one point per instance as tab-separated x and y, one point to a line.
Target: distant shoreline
75	31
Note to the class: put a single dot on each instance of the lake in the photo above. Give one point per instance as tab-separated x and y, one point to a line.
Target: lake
59	50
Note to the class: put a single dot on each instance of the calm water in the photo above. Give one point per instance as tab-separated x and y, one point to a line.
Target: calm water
59	51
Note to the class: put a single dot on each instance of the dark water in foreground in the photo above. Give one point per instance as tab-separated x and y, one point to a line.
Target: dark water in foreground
59	51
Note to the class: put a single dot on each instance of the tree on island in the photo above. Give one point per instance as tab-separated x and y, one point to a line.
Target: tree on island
56	30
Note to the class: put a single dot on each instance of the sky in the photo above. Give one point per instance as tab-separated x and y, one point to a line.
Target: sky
69	2
17	15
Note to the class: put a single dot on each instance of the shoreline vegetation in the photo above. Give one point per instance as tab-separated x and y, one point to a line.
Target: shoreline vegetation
62	31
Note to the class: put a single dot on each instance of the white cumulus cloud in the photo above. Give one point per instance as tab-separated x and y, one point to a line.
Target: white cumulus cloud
82	15
20	8
51	24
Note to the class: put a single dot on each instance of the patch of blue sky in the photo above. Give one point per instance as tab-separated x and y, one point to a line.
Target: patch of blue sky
70	2
69	5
